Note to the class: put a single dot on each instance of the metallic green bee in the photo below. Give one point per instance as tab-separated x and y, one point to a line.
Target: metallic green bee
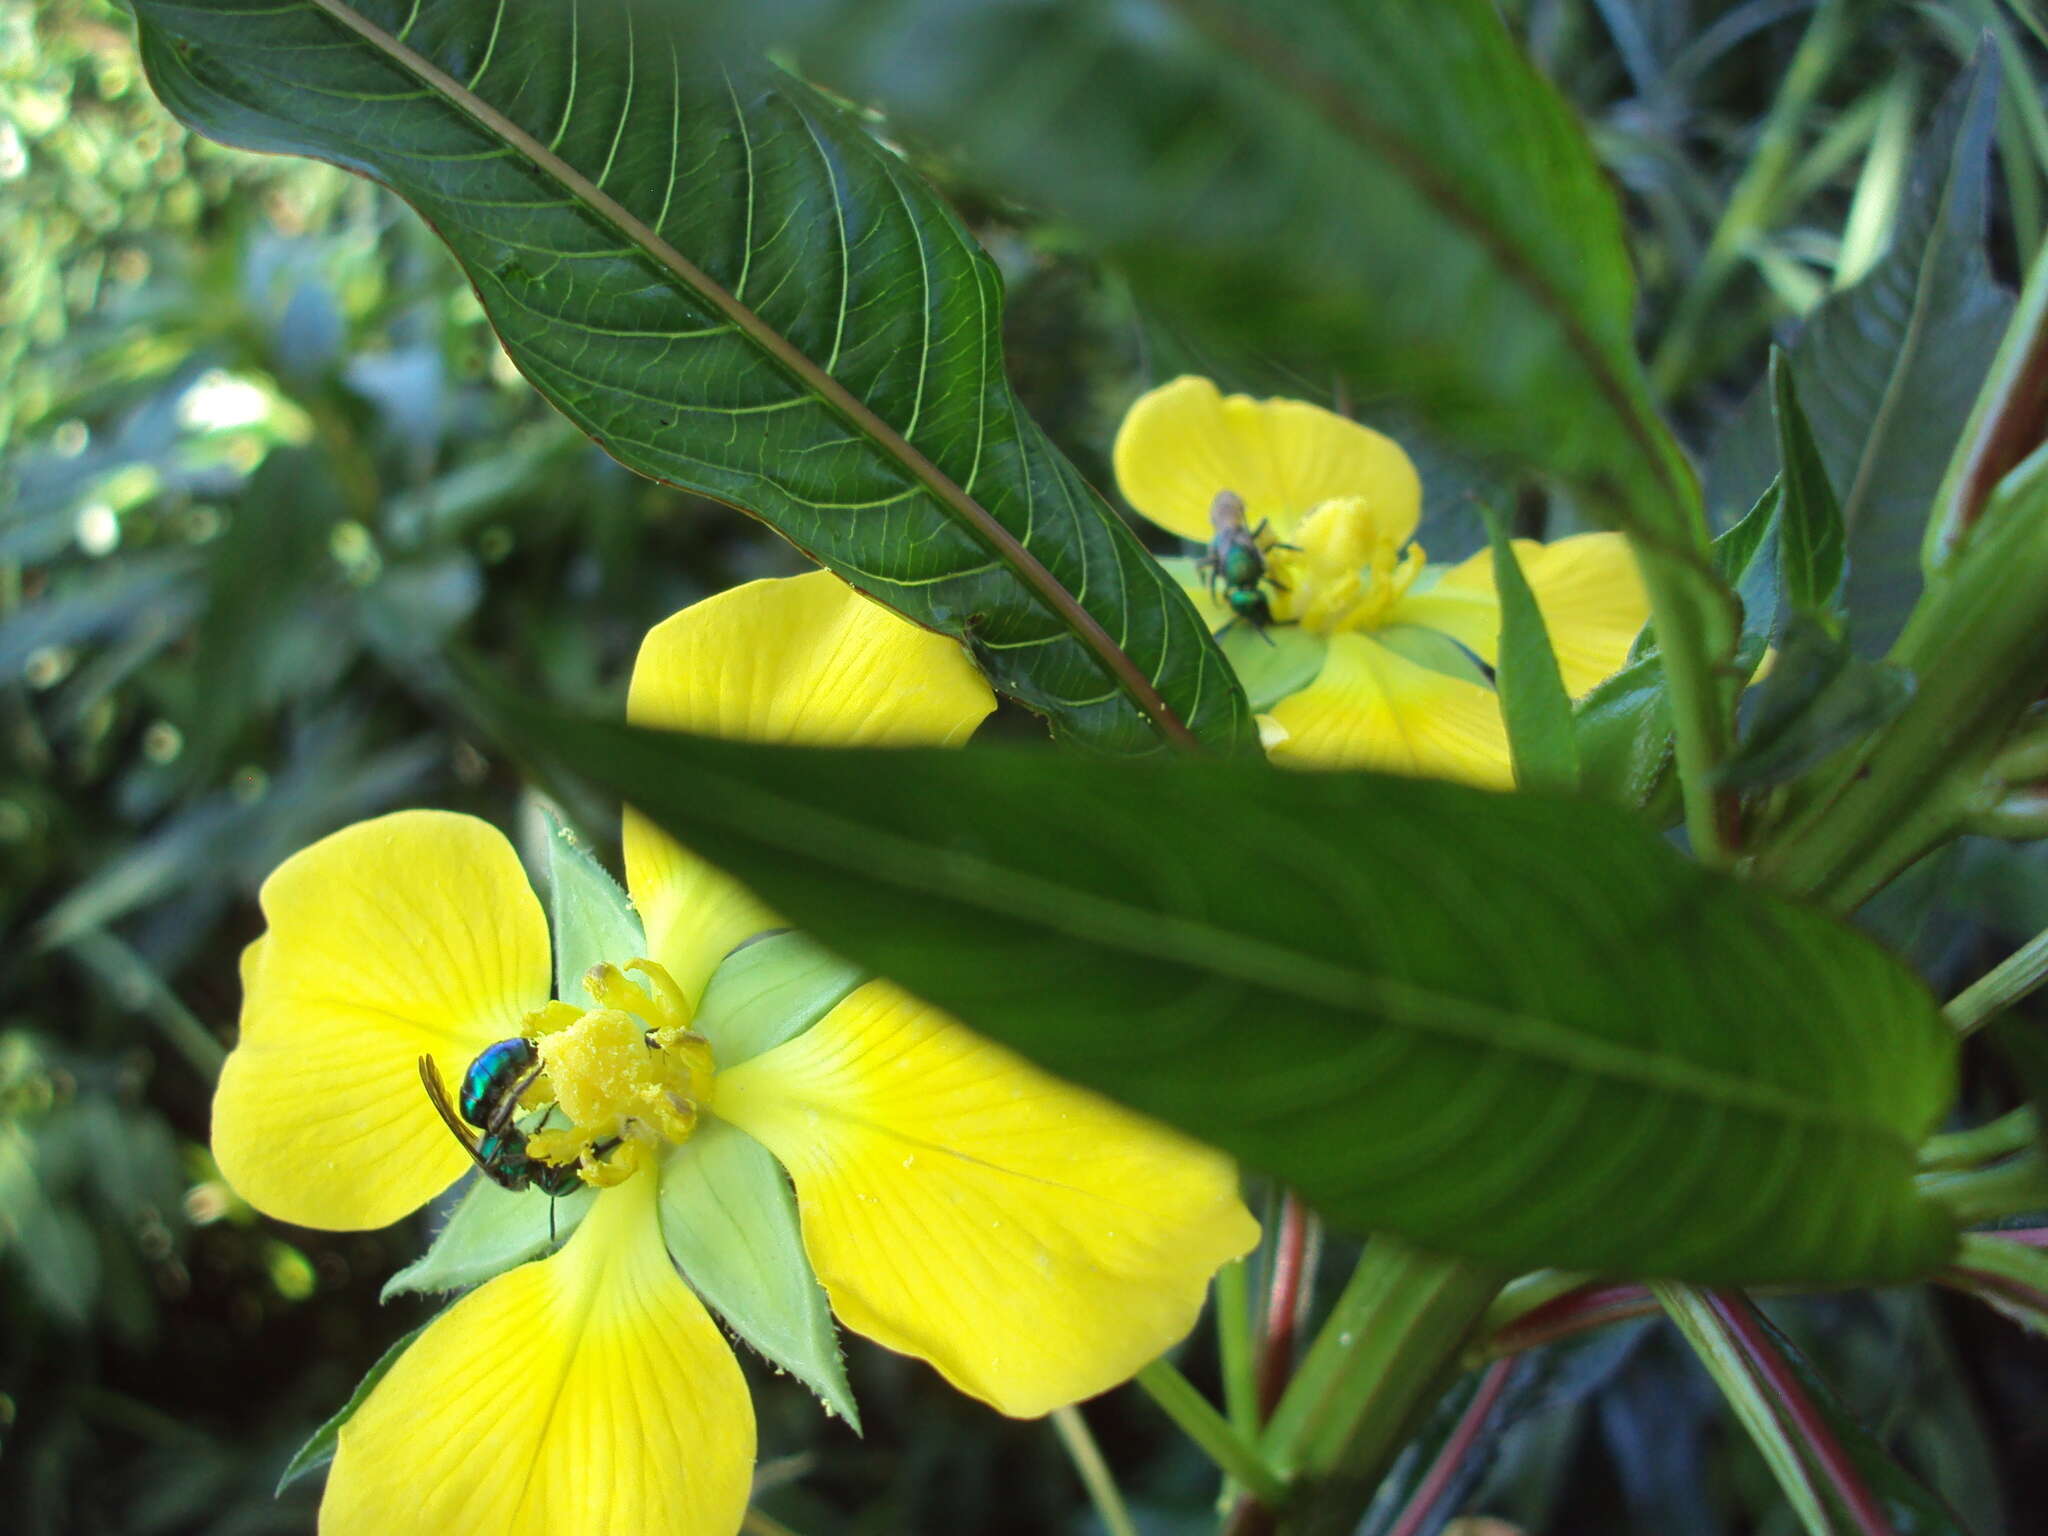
1236	562
496	1081
501	1150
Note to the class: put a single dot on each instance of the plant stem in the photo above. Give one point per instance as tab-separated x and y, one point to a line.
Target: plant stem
1392	1338
2014	1187
2000	987
1747	1394
1739	1315
1576	1312
1276	1352
2011	1132
1470	1424
1201	1423
1234	1346
1093	1471
1750	208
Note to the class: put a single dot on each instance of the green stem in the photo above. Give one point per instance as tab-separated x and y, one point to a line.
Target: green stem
2009	1133
1978	645
1234	1345
2016	1187
1695	645
1093	1471
2000	987
1751	205
1392	1340
1198	1419
1748	1395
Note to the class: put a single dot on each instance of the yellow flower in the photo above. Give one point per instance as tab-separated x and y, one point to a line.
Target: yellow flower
1032	1242
1373	670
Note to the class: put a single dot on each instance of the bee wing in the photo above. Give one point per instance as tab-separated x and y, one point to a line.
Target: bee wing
437	1095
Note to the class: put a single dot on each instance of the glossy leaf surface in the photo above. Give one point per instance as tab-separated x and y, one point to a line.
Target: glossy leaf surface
1523	1030
721	277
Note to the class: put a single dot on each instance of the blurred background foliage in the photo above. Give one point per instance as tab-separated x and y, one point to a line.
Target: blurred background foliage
262	455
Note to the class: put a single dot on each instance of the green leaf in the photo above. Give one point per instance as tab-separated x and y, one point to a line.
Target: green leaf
1887	371
319	1449
490	1230
769	990
729	1218
1817	699
1519	1029
1749	556
1390	189
1532	696
1810	521
721	277
593	922
1622	736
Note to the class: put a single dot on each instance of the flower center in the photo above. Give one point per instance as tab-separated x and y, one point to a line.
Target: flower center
628	1074
1344	572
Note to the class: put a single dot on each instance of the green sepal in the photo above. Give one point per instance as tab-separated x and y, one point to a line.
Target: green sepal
1533	700
730	1221
1271	663
770	990
1818	698
592	919
492	1229
319	1448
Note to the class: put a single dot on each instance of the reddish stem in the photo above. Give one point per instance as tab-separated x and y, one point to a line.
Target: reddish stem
1981	1283
1283	1309
1579	1311
2026	1237
1456	1449
1738	1314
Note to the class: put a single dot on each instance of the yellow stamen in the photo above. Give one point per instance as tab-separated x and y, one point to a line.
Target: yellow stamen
1345	574
628	1074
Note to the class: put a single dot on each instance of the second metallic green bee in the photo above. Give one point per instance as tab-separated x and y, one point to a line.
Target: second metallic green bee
1236	562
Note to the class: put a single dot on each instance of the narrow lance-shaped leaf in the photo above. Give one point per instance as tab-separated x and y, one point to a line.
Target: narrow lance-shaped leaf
1810	519
719	275
1519	1029
1532	696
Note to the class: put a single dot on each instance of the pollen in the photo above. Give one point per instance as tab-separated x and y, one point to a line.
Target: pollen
628	1074
1345	573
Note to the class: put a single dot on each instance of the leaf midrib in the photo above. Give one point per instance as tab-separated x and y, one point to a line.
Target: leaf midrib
1302	80
859	416
799	828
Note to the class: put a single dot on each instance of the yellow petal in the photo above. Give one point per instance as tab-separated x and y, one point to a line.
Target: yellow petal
1034	1242
1183	442
585	1392
1372	708
413	933
1588	587
806	659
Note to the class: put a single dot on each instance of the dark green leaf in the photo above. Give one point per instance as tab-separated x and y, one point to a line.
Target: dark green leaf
1913	1508
1622	736
1748	557
1887	370
1810	520
319	1450
720	276
1532	697
1390	188
1818	698
1516	1028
